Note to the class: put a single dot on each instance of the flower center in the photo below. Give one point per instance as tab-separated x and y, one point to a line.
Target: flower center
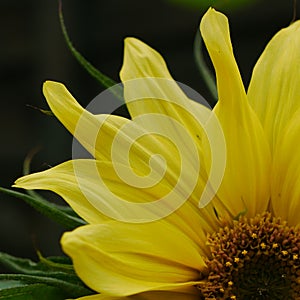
257	258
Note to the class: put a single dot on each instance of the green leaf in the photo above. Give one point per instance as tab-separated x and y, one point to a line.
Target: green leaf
51	210
68	288
104	80
16	290
8	284
203	69
57	272
27	266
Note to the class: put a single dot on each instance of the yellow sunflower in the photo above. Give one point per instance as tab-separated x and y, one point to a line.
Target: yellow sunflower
245	243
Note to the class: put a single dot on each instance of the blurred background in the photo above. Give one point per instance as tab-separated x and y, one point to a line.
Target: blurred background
33	50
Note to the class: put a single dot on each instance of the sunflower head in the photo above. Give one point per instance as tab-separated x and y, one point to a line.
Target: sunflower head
256	258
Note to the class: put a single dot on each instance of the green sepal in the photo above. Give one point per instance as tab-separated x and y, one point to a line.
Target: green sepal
15	290
203	69
104	80
57	213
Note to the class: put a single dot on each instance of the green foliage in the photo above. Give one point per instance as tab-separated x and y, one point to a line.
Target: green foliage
58	213
104	80
16	290
50	278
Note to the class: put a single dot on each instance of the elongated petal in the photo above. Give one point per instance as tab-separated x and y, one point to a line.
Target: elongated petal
63	181
95	132
124	259
147	81
274	90
96	192
92	131
99	133
94	189
285	174
150	90
157	295
245	184
135	143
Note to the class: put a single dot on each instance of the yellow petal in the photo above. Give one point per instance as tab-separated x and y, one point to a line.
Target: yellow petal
139	145
150	90
245	184
62	180
96	192
92	131
122	141
121	259
274	90
147	80
157	295
285	174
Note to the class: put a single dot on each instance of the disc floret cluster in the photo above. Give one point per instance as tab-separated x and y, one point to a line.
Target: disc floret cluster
255	258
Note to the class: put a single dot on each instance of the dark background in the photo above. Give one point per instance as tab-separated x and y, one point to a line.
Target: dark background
33	50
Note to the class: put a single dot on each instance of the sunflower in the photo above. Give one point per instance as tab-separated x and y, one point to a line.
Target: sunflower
245	242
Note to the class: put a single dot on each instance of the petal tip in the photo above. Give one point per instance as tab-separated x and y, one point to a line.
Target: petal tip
134	47
211	17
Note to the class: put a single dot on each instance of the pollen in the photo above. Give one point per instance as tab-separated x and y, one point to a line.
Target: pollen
228	264
255	258
263	246
254	235
244	252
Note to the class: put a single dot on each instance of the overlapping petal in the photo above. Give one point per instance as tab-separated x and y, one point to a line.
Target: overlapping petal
274	93
246	184
150	89
274	90
91	186
112	138
124	259
285	173
96	192
132	143
92	131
